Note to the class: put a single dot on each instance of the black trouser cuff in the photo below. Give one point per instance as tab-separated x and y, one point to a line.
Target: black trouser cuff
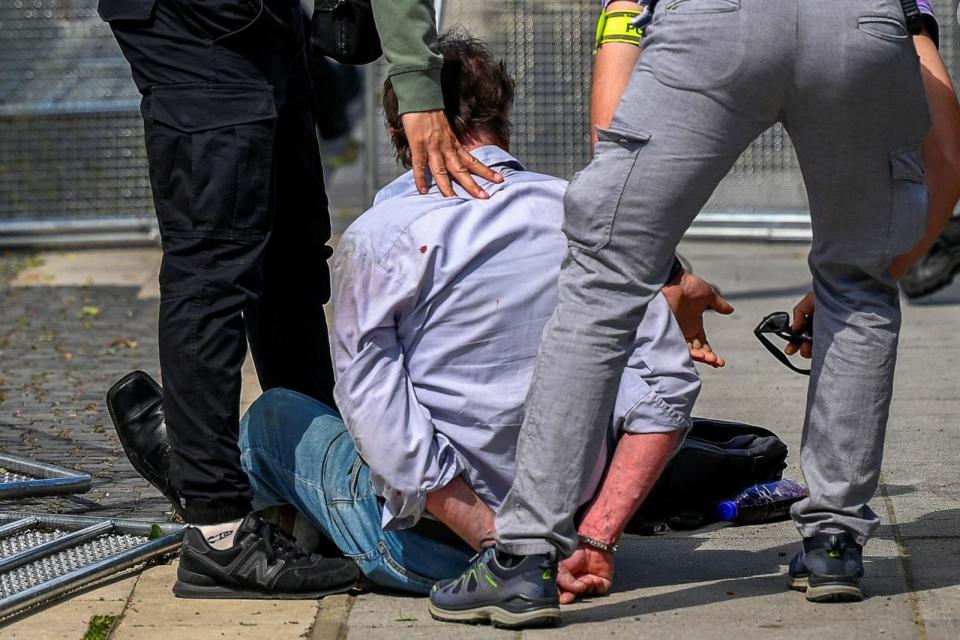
202	514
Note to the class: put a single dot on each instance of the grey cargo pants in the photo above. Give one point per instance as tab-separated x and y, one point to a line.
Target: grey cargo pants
844	79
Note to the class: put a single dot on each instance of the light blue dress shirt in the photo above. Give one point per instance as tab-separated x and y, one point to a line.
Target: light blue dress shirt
439	305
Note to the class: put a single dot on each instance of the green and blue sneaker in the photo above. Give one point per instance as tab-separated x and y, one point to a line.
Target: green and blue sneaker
503	590
828	568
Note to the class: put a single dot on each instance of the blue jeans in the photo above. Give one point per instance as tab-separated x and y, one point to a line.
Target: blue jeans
297	451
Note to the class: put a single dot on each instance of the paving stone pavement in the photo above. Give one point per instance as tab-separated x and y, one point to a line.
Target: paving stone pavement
58	355
61	346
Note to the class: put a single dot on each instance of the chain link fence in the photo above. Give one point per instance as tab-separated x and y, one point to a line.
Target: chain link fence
71	140
73	166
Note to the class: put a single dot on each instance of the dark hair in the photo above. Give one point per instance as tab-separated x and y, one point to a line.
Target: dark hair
477	93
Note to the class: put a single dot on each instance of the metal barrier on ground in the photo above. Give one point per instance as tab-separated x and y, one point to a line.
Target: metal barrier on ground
22	478
44	556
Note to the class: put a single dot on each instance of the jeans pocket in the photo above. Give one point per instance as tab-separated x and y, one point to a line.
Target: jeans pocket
385	571
358	488
908	212
695	44
884	27
210	151
593	197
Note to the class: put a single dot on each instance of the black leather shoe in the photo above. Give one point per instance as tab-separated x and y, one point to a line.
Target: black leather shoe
937	268
135	403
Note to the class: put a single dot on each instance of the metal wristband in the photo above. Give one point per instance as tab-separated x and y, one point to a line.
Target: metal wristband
596	544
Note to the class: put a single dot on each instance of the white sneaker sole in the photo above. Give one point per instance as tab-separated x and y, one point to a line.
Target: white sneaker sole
826	592
498	617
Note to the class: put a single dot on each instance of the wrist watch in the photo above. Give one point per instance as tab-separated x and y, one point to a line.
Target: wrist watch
610	547
676	270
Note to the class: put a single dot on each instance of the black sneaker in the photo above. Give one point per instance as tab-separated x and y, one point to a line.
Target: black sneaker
523	594
262	563
936	269
829	568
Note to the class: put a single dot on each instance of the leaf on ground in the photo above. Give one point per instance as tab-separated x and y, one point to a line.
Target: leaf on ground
125	342
90	312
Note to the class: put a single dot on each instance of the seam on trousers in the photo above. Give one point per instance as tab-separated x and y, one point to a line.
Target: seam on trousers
427	583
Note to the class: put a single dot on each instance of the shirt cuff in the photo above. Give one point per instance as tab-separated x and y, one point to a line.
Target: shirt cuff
418	89
652	415
403	509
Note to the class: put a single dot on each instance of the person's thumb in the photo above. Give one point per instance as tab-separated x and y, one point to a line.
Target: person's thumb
567	582
799	319
721	306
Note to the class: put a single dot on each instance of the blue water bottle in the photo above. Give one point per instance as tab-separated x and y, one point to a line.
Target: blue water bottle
762	502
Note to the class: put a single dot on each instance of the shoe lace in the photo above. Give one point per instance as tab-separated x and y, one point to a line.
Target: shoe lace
278	544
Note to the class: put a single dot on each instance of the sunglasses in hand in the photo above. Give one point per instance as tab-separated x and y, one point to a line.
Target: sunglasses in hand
779	324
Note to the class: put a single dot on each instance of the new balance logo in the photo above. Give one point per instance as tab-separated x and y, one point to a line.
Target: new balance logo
256	564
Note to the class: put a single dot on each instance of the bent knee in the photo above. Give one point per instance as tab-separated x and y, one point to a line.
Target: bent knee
273	409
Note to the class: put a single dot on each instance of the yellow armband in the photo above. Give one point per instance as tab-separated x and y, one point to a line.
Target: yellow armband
618	26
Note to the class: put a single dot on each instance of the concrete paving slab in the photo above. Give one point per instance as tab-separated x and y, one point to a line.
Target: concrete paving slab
69	617
939	607
153	612
99	267
331	620
376	616
67	621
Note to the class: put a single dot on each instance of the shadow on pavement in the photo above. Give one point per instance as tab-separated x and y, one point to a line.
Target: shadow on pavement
734	574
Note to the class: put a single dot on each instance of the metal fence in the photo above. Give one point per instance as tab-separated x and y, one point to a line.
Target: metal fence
71	139
72	162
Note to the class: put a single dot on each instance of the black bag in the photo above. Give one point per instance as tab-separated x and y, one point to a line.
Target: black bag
717	460
345	31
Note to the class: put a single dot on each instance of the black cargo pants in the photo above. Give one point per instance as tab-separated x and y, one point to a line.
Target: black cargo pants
238	189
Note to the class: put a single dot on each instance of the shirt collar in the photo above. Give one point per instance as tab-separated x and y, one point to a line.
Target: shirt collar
490	155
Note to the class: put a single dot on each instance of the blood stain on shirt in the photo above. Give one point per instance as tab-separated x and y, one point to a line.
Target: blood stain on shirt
423	249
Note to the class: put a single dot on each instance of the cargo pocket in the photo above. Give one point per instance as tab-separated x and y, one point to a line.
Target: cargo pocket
695	44
210	149
120	10
219	19
593	197
908	217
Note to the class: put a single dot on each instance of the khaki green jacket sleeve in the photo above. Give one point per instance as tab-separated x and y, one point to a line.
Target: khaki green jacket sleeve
408	33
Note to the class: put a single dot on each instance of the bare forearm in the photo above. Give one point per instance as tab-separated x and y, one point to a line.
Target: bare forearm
637	464
941	151
611	73
461	509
